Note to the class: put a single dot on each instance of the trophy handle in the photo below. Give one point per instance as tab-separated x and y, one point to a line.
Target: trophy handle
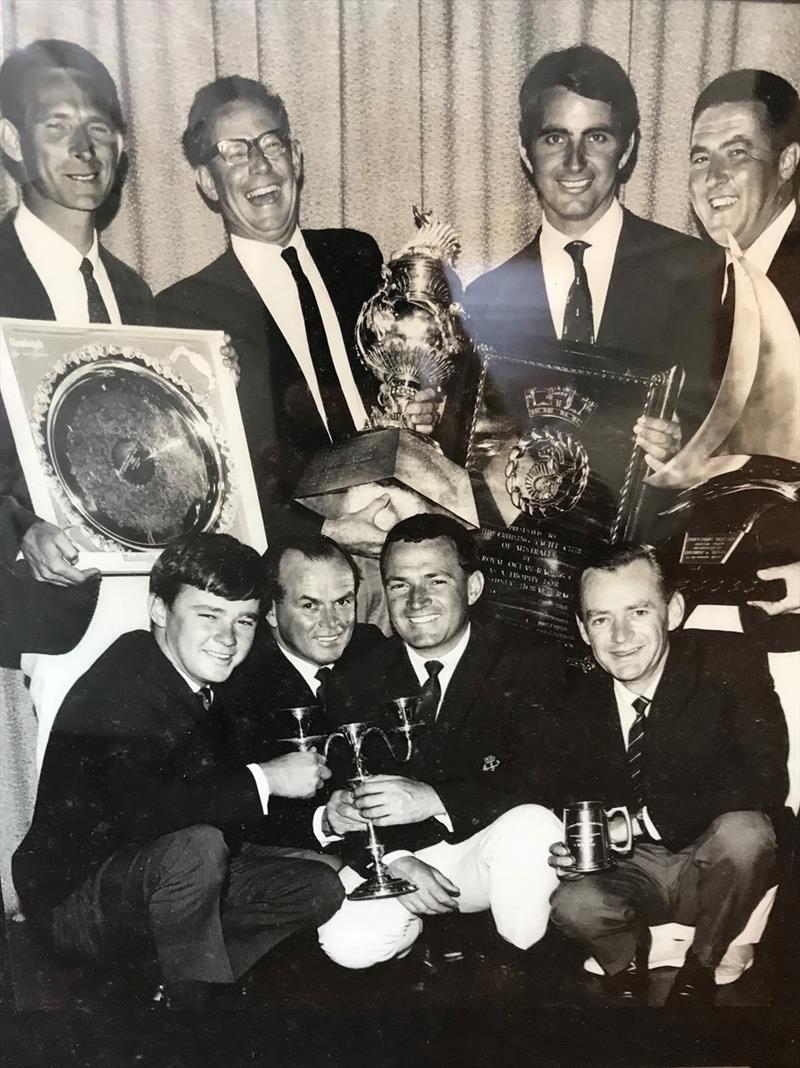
622	810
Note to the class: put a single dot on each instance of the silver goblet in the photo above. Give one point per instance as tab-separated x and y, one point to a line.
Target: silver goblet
301	720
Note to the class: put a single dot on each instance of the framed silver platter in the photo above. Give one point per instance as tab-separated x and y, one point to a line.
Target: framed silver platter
133	452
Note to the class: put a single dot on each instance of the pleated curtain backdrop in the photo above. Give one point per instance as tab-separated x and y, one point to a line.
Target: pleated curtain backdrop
396	102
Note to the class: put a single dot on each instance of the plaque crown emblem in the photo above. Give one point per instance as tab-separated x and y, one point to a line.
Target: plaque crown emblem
559	402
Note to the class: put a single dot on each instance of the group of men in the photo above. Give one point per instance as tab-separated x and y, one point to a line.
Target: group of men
167	817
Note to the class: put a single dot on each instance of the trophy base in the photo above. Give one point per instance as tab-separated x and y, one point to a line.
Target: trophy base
375	888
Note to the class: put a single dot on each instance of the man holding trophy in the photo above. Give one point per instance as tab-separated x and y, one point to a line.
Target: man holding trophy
684	729
462	820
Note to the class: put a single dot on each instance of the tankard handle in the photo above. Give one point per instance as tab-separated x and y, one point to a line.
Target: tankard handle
628	827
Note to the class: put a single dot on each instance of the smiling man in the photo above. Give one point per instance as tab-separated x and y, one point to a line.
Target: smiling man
463	820
141	785
288	297
595	273
685	730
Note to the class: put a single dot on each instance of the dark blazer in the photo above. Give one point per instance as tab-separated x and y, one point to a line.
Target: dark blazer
715	740
262	685
281	421
53	619
132	756
492	746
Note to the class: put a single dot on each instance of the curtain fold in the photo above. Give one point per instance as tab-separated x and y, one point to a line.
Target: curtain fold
396	102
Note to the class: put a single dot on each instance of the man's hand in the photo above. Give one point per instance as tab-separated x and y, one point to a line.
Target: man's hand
660	439
296	774
341	815
52	555
363	532
563	861
230	358
422	413
434	894
388	800
790	603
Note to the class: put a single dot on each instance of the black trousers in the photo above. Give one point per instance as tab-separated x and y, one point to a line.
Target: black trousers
205	915
713	885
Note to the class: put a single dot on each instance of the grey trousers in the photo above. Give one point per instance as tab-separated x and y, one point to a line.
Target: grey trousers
204	915
713	885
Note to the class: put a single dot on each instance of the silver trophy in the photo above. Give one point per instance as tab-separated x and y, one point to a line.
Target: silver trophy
587	835
380	883
409	335
302	722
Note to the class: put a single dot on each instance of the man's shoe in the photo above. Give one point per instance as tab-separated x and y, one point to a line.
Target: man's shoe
694	985
633	982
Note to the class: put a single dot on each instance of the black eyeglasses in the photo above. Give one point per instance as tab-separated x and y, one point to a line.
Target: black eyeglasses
272	144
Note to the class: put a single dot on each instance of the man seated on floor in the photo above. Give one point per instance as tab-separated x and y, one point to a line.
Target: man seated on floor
685	729
307	640
463	819
127	849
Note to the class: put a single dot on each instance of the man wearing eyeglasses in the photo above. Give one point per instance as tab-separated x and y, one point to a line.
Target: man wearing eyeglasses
288	297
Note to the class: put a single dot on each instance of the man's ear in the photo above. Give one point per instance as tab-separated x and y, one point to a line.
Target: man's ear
205	183
158	611
582	629
675	610
523	155
475	584
9	140
788	161
626	155
271	615
297	158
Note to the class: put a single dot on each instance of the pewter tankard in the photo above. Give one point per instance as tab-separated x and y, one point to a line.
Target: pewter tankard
586	833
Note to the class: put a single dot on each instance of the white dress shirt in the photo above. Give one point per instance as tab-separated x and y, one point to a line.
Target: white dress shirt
627	714
57	263
273	281
449	662
559	267
762	252
305	667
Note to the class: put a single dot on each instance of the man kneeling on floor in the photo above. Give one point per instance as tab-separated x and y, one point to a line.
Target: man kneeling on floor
127	852
458	820
685	730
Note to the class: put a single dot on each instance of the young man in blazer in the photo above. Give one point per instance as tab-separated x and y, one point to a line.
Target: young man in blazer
685	730
464	819
141	783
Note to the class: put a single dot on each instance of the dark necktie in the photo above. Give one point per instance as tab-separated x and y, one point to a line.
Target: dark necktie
340	421
206	696
324	676
430	693
98	312
635	745
724	330
578	325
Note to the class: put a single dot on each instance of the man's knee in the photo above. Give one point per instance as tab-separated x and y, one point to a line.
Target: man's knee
583	909
530	827
356	941
739	839
325	893
196	853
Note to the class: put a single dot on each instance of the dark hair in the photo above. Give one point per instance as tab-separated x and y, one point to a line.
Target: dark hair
214	562
588	72
614	557
54	55
216	95
779	97
313	547
430	525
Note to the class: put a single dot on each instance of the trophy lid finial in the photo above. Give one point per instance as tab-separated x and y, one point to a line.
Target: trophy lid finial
434	238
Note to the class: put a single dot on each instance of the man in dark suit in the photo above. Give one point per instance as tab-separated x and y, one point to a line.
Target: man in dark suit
139	785
595	272
463	819
288	297
686	731
744	177
308	639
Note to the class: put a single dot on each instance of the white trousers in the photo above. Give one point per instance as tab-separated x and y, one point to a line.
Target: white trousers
503	868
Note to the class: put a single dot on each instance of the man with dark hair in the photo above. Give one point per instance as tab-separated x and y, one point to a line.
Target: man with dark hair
685	730
140	783
308	639
463	820
288	297
744	175
594	272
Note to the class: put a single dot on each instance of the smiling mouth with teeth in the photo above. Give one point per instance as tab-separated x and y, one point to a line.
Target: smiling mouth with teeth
720	203
271	191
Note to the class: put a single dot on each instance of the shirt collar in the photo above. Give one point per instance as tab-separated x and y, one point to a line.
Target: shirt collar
604	232
447	660
307	668
248	251
762	251
627	697
45	247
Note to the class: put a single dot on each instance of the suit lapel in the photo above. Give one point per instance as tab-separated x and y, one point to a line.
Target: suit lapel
468	680
538	306
24	295
674	689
